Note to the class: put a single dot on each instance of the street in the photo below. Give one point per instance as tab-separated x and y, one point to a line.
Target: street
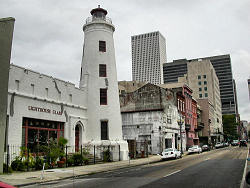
217	168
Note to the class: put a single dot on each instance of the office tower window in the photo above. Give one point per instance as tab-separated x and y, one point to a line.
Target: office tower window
205	76
102	46
200	89
199	82
206	95
199	77
205	88
205	82
200	95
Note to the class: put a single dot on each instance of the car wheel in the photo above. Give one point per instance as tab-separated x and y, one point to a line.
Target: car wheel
175	156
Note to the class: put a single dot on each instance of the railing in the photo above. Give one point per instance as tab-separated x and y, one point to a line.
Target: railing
25	159
93	19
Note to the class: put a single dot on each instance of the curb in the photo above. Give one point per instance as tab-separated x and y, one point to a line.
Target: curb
79	176
243	183
90	173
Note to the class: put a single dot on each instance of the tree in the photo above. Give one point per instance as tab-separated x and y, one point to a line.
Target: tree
230	126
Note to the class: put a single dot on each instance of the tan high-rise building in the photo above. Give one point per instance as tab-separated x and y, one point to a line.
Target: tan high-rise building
202	79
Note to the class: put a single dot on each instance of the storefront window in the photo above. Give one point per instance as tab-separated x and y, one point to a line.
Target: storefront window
38	132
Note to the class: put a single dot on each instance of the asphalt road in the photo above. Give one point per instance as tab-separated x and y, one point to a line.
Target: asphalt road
218	168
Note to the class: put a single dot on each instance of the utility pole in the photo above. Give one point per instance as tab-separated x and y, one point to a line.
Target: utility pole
6	34
180	122
209	133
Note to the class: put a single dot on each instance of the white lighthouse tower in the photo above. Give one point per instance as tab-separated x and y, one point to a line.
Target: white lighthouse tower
99	80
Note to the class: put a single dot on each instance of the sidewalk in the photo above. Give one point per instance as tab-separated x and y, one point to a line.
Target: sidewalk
28	178
32	177
246	170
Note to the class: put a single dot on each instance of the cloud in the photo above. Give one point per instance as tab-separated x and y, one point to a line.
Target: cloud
48	34
241	66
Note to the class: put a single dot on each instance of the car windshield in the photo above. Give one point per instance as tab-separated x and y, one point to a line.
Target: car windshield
194	146
169	149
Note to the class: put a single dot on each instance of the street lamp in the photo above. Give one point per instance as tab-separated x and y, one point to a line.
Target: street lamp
180	121
209	132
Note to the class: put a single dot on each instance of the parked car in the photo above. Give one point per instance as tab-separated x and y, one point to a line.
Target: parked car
235	143
194	149
205	148
225	144
170	153
243	143
218	145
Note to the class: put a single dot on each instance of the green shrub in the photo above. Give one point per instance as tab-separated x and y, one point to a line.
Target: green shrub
70	161
106	156
38	163
54	151
6	168
78	159
85	160
18	164
85	152
62	142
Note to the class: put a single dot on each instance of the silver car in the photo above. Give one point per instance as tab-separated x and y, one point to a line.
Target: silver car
194	149
170	153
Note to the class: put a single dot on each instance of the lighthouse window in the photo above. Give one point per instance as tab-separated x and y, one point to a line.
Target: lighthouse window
103	96
102	46
102	70
104	130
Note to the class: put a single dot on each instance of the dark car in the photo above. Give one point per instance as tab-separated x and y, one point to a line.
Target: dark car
205	148
235	143
243	143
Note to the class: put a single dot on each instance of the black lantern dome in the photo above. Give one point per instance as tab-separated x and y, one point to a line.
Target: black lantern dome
98	12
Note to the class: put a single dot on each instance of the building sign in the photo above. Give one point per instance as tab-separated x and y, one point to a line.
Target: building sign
45	110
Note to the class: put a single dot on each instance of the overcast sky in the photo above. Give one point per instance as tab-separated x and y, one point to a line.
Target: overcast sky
48	34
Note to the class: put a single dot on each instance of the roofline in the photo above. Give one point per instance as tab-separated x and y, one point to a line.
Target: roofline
184	60
146	33
43	74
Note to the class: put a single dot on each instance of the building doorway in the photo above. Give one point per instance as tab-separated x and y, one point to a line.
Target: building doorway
77	137
175	140
168	143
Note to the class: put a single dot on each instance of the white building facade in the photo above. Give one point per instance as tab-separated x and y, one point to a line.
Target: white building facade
99	79
150	116
41	107
148	56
